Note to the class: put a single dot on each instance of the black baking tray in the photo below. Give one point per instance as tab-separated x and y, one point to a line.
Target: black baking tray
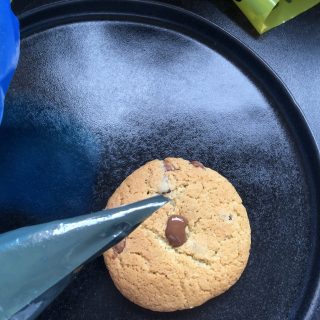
104	86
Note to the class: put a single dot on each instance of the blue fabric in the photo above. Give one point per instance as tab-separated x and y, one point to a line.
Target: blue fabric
9	48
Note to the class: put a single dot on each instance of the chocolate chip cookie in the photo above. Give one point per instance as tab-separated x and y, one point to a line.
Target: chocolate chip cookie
192	249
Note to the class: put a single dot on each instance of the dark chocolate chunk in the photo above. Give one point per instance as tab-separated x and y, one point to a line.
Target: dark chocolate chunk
176	230
168	166
119	247
197	164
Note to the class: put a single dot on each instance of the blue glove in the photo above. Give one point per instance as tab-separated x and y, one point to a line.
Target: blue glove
9	48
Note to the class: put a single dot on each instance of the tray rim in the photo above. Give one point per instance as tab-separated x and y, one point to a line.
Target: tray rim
46	16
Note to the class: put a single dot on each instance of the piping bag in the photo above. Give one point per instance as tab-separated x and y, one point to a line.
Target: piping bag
37	262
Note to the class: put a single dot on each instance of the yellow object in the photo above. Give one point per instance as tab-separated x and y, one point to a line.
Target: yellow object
267	14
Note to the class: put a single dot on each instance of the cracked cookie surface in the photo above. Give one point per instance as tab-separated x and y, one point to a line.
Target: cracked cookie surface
155	275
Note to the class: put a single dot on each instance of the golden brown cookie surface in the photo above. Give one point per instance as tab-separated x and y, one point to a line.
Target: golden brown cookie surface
159	276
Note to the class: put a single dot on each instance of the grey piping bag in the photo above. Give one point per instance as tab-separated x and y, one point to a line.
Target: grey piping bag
37	262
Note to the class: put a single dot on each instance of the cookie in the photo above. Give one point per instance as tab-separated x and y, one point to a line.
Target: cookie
189	251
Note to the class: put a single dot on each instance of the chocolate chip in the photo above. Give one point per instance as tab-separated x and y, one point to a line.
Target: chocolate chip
197	164
168	166
175	231
119	247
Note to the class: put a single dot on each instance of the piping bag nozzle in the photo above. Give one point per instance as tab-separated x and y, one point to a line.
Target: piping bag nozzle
38	261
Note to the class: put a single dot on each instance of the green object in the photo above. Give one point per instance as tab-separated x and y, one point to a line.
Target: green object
267	14
38	261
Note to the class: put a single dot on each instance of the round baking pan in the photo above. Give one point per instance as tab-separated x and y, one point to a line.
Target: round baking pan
104	86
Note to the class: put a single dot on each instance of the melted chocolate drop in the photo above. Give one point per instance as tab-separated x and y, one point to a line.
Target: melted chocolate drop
176	230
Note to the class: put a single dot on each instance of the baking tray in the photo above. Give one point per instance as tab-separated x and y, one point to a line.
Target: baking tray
104	86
